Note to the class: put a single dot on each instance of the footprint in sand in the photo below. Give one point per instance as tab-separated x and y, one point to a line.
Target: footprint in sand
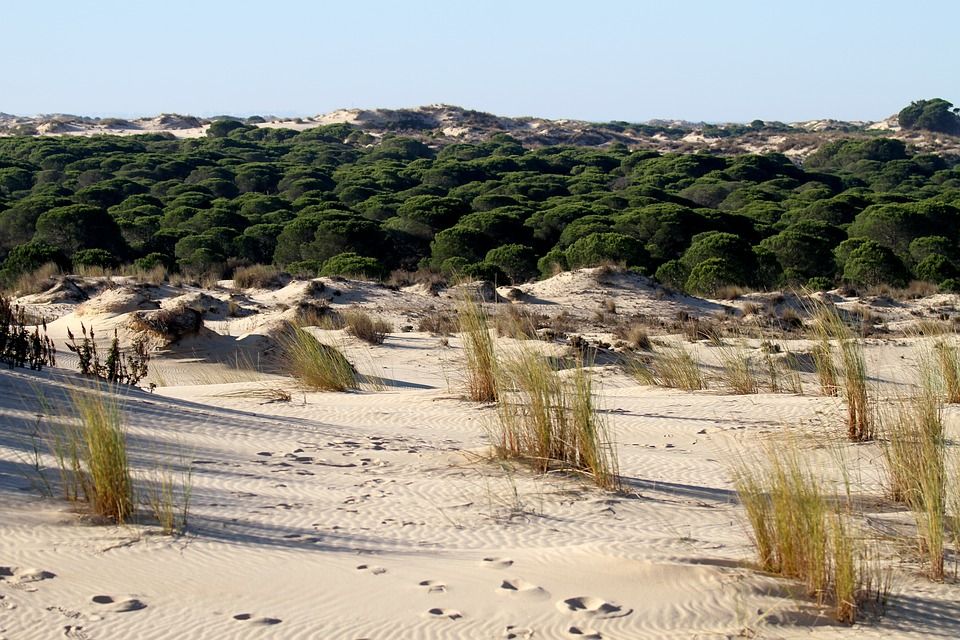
521	588
594	607
75	632
375	570
434	586
584	632
6	604
514	632
451	614
249	617
497	563
18	577
122	605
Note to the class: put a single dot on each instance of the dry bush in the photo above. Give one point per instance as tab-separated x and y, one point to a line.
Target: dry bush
155	275
434	281
363	326
696	329
258	276
36	281
317	314
481	361
517	322
438	323
551	422
730	292
170	324
635	335
671	367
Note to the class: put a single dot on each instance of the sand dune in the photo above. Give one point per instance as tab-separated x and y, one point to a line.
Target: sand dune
377	514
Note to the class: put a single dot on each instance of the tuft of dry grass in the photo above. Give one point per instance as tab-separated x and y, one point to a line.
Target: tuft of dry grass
671	367
737	371
800	533
948	363
849	365
317	365
363	326
36	281
635	335
91	453
915	455
438	323
258	276
551	422
481	361
168	498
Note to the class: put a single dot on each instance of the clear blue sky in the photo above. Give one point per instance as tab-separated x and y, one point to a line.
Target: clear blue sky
720	60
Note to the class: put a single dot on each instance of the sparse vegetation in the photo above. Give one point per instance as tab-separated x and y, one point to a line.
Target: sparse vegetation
362	325
670	367
481	361
550	421
317	365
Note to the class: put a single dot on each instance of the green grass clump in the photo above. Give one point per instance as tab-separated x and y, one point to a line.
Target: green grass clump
317	365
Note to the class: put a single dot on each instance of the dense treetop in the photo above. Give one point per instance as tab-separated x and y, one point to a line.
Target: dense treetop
333	199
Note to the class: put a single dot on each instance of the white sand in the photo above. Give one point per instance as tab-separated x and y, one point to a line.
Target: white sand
377	515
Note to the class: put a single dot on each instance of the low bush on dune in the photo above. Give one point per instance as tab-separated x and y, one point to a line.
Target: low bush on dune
19	345
363	326
258	276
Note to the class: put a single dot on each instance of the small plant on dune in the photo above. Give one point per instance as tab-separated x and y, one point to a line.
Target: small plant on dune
800	533
948	361
826	368
671	367
850	363
317	365
168	498
737	372
19	346
121	367
92	454
437	323
481	361
635	335
259	276
915	456
362	325
551	422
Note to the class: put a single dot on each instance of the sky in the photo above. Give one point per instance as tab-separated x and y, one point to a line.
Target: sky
699	60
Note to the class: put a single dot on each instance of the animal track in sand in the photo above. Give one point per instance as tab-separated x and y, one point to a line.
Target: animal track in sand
595	607
437	612
434	586
375	570
584	632
18	577
119	606
75	632
497	563
514	632
265	620
522	588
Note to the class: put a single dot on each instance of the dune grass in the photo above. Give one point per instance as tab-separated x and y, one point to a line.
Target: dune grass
168	498
363	326
737	372
914	451
550	421
671	367
800	532
478	347
846	366
319	366
91	454
948	363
